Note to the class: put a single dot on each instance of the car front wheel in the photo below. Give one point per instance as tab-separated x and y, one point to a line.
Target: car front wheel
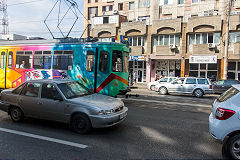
81	124
16	114
163	90
232	147
198	93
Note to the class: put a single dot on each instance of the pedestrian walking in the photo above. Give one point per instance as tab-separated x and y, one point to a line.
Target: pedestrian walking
156	76
135	77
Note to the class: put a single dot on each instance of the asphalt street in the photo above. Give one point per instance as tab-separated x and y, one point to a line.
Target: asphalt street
157	127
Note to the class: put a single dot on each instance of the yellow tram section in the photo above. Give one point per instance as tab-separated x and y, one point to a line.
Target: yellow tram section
13	78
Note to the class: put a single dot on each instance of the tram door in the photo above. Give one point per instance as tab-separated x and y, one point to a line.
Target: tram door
3	69
91	68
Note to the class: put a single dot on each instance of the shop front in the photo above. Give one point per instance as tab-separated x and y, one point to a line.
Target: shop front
233	70
168	68
204	66
138	64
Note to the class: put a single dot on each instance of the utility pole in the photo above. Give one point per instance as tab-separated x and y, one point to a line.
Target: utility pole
3	9
226	20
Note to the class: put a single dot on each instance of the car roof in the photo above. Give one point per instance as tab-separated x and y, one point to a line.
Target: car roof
58	81
237	86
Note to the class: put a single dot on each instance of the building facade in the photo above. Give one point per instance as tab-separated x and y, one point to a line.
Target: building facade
170	37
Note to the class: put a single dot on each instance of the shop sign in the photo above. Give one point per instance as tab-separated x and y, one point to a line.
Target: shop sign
203	59
137	58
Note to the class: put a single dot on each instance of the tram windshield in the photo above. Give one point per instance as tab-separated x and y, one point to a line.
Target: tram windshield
117	61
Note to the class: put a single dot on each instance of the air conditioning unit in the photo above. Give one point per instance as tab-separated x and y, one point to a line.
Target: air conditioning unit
115	12
211	45
172	46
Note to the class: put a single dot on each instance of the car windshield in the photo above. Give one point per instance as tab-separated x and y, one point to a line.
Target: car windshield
73	90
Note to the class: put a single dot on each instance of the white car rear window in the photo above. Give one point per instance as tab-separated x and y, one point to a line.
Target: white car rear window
228	94
202	81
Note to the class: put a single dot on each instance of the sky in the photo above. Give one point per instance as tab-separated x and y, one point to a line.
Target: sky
26	17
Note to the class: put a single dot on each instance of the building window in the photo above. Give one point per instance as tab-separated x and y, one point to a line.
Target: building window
120	6
180	1
92	11
166	40
92	1
233	70
234	37
204	38
117	61
144	19
137	41
63	60
24	59
208	13
103	62
194	1
90	61
105	20
166	2
42	60
107	8
131	6
204	71
143	3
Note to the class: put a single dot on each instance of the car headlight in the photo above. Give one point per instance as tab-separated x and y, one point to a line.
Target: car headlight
105	112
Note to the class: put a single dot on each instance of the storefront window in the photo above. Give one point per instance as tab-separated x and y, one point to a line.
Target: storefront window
238	66
212	66
202	66
117	61
231	75
212	75
231	65
193	73
193	66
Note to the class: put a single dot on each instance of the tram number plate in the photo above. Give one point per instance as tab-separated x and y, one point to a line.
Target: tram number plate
123	115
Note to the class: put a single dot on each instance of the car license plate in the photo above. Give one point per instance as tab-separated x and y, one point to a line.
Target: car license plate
123	115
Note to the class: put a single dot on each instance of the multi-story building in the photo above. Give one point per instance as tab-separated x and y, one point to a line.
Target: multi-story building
170	37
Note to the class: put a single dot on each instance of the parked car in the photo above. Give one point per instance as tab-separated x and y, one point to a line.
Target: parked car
186	85
64	101
221	86
151	85
224	122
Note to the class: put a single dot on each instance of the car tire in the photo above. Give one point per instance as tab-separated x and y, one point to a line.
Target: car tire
152	87
198	93
232	146
81	124
16	114
163	91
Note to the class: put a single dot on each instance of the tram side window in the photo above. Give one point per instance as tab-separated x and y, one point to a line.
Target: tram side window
10	59
24	59
42	60
117	61
90	61
2	60
63	60
103	63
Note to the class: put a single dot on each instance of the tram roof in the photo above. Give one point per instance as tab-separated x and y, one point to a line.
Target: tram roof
52	42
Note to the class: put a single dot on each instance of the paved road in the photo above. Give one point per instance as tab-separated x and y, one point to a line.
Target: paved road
162	127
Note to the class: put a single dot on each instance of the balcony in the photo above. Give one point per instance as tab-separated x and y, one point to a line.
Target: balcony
166	26
202	49
133	28
137	50
104	30
204	24
165	50
234	51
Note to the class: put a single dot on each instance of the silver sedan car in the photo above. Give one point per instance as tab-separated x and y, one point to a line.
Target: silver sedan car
64	101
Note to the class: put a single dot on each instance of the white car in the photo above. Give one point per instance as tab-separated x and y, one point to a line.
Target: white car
152	85
186	85
224	121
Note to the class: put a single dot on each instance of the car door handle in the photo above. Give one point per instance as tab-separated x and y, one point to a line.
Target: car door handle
40	103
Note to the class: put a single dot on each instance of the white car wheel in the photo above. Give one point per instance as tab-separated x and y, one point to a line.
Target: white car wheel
198	93
233	147
163	90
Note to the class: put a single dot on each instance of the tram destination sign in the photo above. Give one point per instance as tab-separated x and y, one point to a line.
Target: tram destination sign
203	59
